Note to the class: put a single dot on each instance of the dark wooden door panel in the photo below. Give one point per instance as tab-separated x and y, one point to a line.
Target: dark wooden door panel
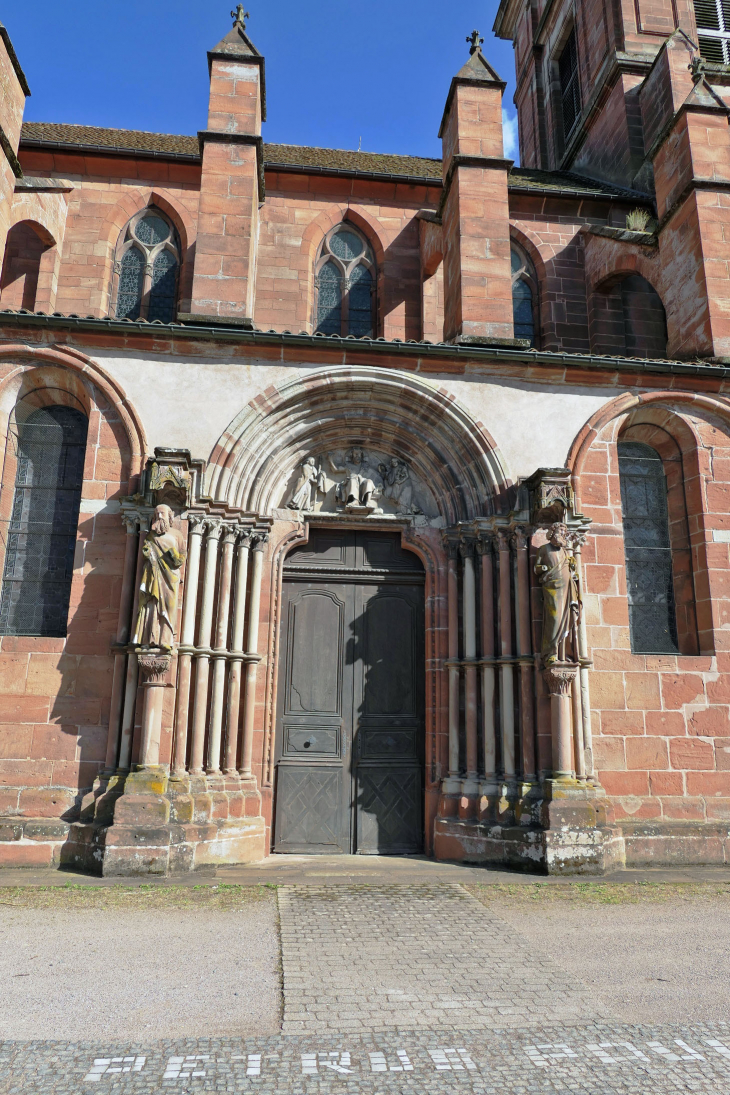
309	814
315	651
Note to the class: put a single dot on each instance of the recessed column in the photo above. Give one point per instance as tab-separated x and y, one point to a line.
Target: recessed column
237	652
524	649
132	678
213	531
470	786
218	655
187	638
506	674
452	784
120	658
252	657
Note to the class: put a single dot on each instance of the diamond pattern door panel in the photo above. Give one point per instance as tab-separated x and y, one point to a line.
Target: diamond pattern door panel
312	820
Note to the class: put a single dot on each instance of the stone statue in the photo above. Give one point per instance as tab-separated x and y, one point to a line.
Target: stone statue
398	486
164	554
310	481
357	489
557	573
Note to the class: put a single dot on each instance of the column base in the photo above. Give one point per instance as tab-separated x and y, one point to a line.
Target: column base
561	826
164	825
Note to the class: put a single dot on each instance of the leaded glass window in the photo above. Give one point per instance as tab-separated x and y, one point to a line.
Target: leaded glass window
345	285
41	532
713	29
148	261
524	296
569	84
647	547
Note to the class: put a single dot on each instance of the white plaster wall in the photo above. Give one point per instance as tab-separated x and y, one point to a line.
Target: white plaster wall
188	403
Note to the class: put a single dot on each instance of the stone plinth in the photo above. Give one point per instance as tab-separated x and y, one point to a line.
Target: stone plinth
162	825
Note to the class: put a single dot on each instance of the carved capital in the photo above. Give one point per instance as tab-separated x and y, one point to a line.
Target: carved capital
484	544
214	530
261	539
559	679
521	537
503	538
229	533
245	537
196	523
131	523
466	547
452	547
153	667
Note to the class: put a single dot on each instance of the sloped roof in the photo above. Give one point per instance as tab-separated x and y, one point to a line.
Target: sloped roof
302	157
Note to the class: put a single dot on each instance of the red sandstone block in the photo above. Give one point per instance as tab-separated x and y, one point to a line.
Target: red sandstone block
46	802
646	753
609	754
15	740
13	669
666	783
52	742
23	708
691	754
678	689
642	691
709	722
708	783
625	783
615	610
617	660
665	723
683	809
622	723
32	854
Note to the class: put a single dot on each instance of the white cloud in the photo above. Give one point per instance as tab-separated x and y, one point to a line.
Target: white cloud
509	131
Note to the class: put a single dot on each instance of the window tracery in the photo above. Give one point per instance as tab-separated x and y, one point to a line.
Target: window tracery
148	262
345	281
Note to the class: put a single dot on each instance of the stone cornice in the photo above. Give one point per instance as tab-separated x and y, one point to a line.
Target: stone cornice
14	60
351	348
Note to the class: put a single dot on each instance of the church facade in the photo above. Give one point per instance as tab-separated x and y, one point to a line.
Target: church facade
368	503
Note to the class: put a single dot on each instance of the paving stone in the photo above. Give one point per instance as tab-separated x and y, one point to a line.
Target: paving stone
408	957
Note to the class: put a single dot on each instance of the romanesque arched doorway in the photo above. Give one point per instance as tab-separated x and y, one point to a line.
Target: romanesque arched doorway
349	750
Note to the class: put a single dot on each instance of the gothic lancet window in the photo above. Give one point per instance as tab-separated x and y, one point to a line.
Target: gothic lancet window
569	84
41	533
345	279
713	29
652	616
524	296
148	260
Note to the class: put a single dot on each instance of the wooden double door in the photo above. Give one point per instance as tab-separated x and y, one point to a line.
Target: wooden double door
350	726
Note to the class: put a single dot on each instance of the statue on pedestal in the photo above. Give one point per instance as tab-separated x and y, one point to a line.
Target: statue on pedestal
357	489
557	573
164	554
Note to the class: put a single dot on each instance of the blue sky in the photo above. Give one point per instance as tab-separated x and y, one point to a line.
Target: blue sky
336	71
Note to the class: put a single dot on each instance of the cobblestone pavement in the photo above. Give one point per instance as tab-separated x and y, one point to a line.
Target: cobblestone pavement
413	957
542	1059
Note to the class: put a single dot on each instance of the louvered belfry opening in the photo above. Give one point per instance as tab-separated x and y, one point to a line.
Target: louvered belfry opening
41	531
649	579
569	84
713	29
345	284
148	261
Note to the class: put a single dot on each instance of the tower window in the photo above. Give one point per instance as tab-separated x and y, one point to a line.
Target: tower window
524	296
41	536
569	85
652	615
345	284
148	260
713	29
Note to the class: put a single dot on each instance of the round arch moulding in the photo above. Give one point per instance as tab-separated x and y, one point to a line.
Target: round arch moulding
394	411
88	371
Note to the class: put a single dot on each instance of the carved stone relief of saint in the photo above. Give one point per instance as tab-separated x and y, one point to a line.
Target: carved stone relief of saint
164	554
398	486
557	574
311	480
357	489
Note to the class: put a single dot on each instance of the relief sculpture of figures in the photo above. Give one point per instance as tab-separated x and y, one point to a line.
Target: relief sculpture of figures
398	485
358	488
164	554
557	573
310	481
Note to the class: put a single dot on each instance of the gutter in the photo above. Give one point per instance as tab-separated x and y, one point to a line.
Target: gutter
407	350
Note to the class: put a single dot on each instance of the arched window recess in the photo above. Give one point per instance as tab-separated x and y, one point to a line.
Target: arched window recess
524	296
147	267
48	451
345	284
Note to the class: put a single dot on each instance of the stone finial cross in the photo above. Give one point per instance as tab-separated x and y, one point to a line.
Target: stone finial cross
239	16
474	41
